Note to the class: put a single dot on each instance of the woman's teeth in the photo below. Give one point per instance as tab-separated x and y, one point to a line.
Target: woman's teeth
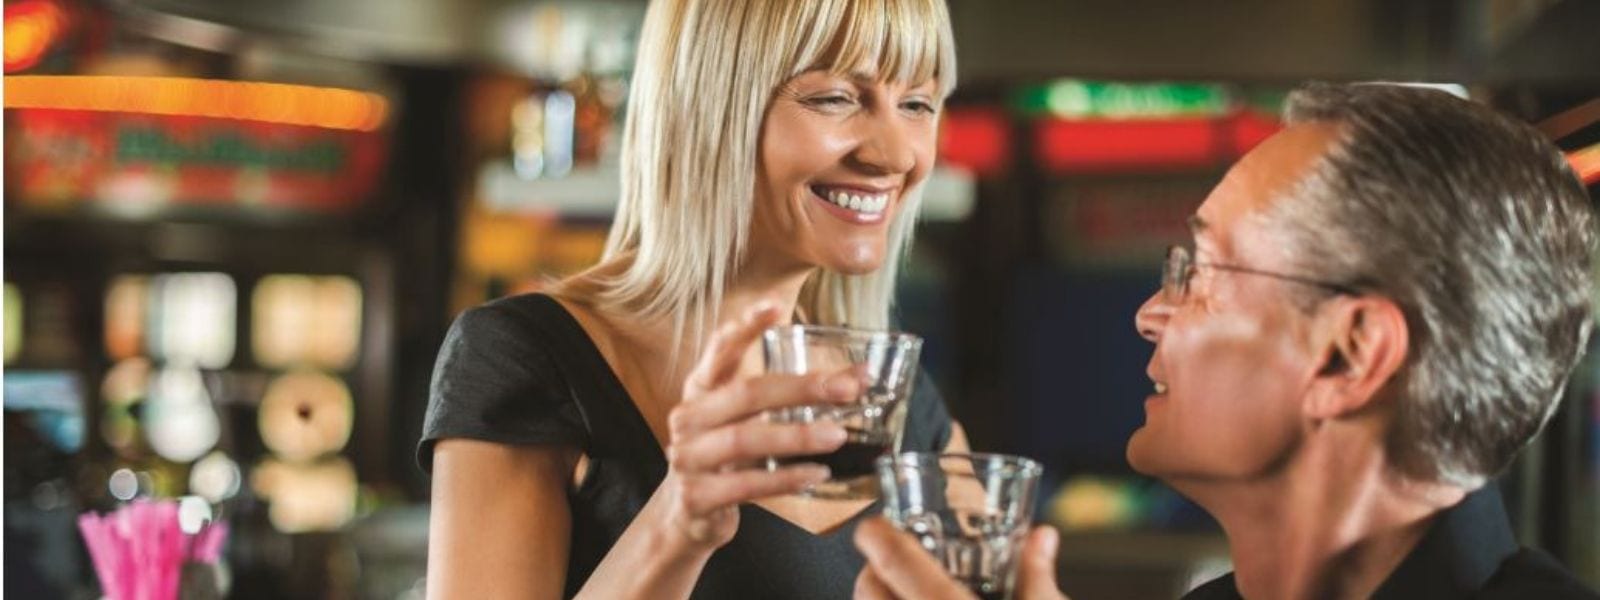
863	203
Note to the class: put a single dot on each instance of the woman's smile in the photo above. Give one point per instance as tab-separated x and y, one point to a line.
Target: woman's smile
854	204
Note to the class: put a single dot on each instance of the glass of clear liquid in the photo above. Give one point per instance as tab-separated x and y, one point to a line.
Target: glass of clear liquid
886	361
971	511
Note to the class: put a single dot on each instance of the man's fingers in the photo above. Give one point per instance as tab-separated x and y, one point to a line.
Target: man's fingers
705	493
897	566
902	566
1037	578
869	588
729	344
754	440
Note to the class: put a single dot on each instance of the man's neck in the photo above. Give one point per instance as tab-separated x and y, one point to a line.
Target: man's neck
1332	522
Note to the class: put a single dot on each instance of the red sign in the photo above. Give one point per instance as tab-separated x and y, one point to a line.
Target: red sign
1149	145
976	138
136	162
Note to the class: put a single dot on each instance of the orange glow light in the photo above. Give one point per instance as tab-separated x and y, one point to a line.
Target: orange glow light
1586	163
329	108
31	27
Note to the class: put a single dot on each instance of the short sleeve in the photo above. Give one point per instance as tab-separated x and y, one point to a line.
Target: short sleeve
495	381
928	422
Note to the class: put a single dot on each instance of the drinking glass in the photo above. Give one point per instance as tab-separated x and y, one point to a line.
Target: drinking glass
971	511
887	363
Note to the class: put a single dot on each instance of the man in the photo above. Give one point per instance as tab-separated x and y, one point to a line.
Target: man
1382	306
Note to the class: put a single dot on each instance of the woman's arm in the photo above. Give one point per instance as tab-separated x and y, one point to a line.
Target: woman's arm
500	522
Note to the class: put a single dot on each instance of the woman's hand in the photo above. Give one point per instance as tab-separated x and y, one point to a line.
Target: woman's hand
720	441
899	568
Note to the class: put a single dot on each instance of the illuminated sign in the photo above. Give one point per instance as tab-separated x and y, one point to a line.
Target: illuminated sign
126	162
1081	99
1148	145
978	139
131	144
329	108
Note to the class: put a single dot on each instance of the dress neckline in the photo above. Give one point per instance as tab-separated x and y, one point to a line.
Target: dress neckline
637	422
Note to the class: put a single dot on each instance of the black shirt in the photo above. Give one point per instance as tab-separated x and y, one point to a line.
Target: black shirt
520	370
1468	552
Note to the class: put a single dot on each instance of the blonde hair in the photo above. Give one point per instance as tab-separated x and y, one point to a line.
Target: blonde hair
706	72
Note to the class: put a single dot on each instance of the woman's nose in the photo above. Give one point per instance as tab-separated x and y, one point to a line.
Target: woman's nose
885	147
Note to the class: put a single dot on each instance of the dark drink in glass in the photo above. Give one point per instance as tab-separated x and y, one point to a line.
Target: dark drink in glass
855	459
886	363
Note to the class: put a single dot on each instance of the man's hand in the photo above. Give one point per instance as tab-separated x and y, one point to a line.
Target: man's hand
898	568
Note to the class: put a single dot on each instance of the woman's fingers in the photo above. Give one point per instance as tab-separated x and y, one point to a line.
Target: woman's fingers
869	588
902	566
722	356
706	492
753	440
741	400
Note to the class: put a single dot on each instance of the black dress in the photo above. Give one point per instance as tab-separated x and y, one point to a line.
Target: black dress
520	370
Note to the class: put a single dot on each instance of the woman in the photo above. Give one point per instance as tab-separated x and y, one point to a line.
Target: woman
771	157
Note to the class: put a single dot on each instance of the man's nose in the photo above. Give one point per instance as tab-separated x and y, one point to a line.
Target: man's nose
1151	320
885	145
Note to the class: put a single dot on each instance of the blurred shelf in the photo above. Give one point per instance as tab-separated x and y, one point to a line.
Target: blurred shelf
948	196
1141	549
1139	565
97	213
583	193
592	193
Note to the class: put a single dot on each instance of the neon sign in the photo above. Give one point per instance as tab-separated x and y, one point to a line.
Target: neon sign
136	162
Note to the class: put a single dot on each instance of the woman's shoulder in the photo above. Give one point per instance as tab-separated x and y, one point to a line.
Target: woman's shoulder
504	374
533	323
510	312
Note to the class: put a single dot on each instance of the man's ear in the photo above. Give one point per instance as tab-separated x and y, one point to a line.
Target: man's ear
1363	342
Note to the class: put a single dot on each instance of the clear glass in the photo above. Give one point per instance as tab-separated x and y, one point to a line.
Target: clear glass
971	511
887	362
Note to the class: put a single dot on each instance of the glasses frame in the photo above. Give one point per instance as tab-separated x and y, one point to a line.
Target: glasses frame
1180	266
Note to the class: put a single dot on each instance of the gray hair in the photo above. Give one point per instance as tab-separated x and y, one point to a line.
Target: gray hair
1476	227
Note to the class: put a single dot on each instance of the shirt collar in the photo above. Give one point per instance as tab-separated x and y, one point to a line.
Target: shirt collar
1461	551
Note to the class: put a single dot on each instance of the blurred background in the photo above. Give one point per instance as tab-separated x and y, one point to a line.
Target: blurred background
230	282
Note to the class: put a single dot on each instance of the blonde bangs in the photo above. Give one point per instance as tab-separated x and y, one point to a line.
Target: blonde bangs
903	41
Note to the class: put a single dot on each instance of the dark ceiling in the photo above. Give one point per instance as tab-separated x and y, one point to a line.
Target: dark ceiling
1467	41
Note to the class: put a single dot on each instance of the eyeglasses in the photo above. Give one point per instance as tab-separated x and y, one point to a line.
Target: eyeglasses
1181	266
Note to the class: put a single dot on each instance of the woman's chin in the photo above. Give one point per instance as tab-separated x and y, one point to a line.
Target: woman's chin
857	261
856	270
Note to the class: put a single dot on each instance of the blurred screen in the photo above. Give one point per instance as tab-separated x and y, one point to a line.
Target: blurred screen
300	320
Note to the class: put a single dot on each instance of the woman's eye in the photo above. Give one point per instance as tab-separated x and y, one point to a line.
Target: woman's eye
920	107
830	101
